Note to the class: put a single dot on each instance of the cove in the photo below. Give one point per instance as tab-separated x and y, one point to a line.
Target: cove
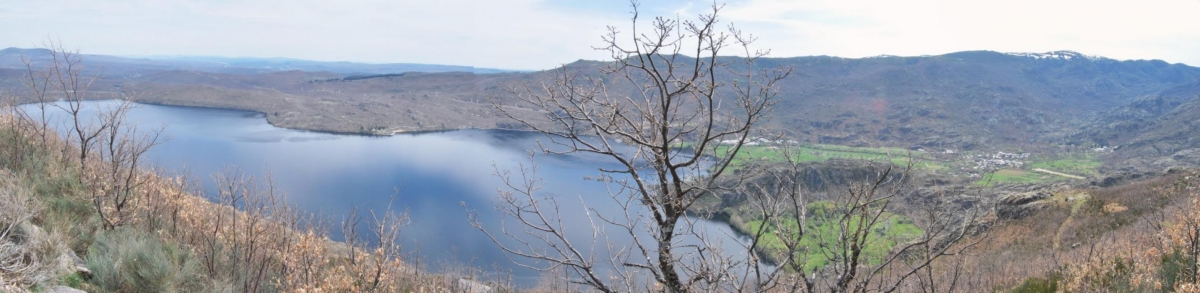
436	177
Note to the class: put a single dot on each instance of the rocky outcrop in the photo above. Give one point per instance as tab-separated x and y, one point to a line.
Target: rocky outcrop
472	286
64	289
1021	204
821	177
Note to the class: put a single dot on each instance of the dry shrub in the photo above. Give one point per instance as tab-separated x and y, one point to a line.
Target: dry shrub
1112	208
1120	265
266	245
1098	248
18	263
1012	251
1159	254
27	254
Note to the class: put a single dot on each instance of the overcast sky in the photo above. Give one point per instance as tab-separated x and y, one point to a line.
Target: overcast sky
540	34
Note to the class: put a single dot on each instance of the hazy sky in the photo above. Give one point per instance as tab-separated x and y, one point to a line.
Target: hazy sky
539	34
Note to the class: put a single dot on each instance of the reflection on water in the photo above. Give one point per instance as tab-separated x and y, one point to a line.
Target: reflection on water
435	174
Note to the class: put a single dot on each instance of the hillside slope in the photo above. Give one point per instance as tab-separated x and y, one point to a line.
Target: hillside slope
962	100
1172	140
965	100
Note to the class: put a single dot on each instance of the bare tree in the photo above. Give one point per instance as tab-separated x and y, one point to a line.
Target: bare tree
65	76
110	149
779	200
852	223
119	177
674	121
664	89
60	76
386	226
38	82
248	237
350	233
863	209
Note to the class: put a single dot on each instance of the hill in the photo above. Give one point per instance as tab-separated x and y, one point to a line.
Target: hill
11	58
289	64
1171	139
963	100
976	100
980	101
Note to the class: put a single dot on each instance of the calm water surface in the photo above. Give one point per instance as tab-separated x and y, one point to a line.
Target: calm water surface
435	174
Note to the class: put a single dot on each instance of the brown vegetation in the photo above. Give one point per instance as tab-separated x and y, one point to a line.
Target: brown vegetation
1087	240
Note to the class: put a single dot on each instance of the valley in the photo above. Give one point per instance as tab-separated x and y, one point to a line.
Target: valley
957	102
589	146
976	129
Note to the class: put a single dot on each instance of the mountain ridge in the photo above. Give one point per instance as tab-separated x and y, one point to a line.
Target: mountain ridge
958	101
9	57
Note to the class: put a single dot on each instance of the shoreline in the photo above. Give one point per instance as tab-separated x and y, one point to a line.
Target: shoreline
263	115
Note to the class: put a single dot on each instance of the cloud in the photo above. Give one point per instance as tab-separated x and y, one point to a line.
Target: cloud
540	34
521	34
857	28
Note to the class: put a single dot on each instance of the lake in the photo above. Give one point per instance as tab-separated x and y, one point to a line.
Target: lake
436	177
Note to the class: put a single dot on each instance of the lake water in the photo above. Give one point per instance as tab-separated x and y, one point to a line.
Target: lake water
438	176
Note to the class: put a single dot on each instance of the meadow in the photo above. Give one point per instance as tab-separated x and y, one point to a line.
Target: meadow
816	153
1079	165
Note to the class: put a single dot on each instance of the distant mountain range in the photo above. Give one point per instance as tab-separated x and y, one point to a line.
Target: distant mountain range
958	101
246	64
965	100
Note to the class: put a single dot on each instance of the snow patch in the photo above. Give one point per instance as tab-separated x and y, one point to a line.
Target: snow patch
1058	55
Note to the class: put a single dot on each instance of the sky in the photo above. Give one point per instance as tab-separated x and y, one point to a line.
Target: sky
542	34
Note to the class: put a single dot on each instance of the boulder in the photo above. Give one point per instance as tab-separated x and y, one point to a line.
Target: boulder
1173	170
63	289
472	286
78	265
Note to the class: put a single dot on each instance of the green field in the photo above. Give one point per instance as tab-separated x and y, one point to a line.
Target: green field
821	153
1082	165
1014	176
822	230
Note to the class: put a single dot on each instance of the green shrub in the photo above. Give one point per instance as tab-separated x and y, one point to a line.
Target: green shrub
1039	284
1175	268
128	260
73	280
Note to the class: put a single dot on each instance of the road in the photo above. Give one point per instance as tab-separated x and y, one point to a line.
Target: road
1057	173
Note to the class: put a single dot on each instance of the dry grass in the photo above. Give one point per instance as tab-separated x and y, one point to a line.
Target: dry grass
27	255
1108	241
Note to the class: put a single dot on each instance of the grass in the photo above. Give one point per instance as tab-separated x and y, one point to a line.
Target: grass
820	153
823	229
1014	176
1080	200
1081	165
1039	284
129	260
63	218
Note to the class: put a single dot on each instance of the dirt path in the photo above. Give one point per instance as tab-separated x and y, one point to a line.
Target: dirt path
1079	200
1057	173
